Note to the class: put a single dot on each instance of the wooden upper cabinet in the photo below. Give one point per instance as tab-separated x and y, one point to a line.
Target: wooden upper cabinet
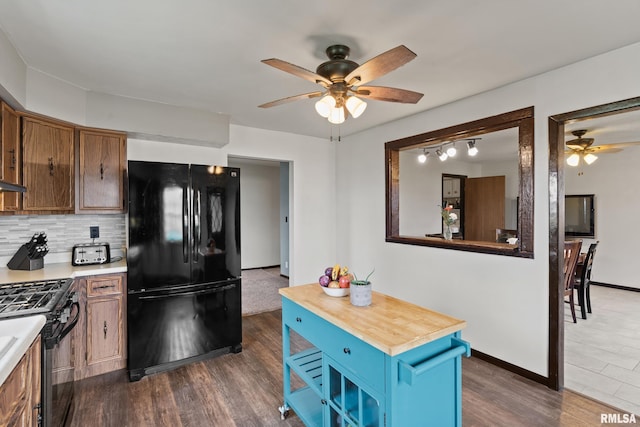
102	163
10	165
48	165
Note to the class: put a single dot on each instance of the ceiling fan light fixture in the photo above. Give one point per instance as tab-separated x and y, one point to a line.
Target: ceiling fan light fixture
472	150
442	156
324	105
336	116
590	158
356	106
573	159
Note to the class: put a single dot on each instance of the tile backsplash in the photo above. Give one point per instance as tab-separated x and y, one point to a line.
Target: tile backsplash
63	231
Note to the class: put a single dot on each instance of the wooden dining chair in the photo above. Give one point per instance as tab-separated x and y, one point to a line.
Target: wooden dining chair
571	254
583	280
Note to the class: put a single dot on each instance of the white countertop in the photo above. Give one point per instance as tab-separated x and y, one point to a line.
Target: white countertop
16	335
60	271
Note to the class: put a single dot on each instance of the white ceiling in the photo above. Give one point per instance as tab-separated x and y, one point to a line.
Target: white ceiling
206	54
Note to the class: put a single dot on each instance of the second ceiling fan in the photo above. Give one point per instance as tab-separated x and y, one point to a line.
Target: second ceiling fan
342	81
583	148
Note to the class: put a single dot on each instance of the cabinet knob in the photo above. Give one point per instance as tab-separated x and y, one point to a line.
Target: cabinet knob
105	329
51	166
299	320
347	350
323	401
101	170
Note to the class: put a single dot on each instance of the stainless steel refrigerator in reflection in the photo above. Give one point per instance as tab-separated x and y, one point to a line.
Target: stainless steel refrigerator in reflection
183	265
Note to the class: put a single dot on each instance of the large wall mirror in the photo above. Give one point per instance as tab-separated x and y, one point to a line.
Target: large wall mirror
491	191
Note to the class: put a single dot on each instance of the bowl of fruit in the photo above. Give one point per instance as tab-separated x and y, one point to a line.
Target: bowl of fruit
336	280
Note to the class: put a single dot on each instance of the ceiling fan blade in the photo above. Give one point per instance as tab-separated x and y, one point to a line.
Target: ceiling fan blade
619	145
291	99
609	148
380	65
390	94
298	71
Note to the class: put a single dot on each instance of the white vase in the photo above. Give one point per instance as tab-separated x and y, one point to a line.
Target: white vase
360	295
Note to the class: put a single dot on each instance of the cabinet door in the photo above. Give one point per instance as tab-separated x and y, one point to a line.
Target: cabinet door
102	159
48	170
104	330
10	168
349	404
35	375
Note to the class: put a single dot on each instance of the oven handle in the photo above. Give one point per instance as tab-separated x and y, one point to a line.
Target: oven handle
54	340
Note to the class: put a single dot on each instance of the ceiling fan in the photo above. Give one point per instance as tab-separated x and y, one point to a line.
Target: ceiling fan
584	148
342	78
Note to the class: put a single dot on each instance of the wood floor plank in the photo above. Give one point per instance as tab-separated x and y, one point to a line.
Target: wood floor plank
245	390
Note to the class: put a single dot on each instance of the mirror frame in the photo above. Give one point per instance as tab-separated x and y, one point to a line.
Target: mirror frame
522	119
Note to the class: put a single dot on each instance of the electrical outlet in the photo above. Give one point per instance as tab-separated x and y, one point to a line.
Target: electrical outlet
94	231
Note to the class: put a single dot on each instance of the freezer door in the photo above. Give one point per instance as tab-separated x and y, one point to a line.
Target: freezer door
216	223
168	329
159	253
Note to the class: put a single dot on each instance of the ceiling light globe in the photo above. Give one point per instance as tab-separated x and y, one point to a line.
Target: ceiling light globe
324	106
573	160
442	156
590	158
422	158
356	106
451	151
336	116
472	151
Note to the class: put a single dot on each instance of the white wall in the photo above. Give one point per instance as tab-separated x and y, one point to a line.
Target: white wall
259	213
503	299
613	178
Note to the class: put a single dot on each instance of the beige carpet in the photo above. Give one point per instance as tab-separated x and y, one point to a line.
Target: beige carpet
260	290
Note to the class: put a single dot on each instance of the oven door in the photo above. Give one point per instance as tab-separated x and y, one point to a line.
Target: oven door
58	369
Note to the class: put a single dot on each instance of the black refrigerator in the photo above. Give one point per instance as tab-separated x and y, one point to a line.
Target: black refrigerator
183	264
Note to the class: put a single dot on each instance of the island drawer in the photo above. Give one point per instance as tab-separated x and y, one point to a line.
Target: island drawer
308	325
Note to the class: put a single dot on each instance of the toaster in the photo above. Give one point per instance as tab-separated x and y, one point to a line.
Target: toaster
90	253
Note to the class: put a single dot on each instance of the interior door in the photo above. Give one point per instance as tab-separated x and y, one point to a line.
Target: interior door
484	200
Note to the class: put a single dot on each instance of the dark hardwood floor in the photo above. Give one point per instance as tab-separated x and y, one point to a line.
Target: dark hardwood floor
245	390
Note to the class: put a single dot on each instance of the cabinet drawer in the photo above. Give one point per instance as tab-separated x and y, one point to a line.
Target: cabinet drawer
366	361
108	285
305	323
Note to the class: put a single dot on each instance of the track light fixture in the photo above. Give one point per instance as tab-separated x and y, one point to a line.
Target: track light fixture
472	150
445	150
422	158
451	151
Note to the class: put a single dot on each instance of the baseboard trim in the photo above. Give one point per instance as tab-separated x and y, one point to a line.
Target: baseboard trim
261	268
609	285
510	367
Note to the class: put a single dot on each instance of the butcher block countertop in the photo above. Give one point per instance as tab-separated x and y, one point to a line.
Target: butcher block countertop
60	270
388	324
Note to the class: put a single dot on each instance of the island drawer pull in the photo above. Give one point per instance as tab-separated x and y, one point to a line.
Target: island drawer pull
298	319
408	373
347	350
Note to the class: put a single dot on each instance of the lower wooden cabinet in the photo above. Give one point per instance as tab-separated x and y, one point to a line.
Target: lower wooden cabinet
20	396
101	334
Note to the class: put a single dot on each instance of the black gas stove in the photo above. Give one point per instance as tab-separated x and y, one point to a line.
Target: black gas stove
29	298
58	302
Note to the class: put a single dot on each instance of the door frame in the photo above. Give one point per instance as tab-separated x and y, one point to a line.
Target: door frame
556	226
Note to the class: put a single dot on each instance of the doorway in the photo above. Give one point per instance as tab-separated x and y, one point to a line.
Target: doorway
265	237
556	225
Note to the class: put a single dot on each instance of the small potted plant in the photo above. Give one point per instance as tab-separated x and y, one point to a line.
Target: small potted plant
361	291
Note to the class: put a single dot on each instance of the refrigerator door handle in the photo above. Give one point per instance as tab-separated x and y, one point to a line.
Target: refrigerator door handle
196	223
206	291
185	225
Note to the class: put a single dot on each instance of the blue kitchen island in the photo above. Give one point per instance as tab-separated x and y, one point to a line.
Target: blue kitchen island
392	363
